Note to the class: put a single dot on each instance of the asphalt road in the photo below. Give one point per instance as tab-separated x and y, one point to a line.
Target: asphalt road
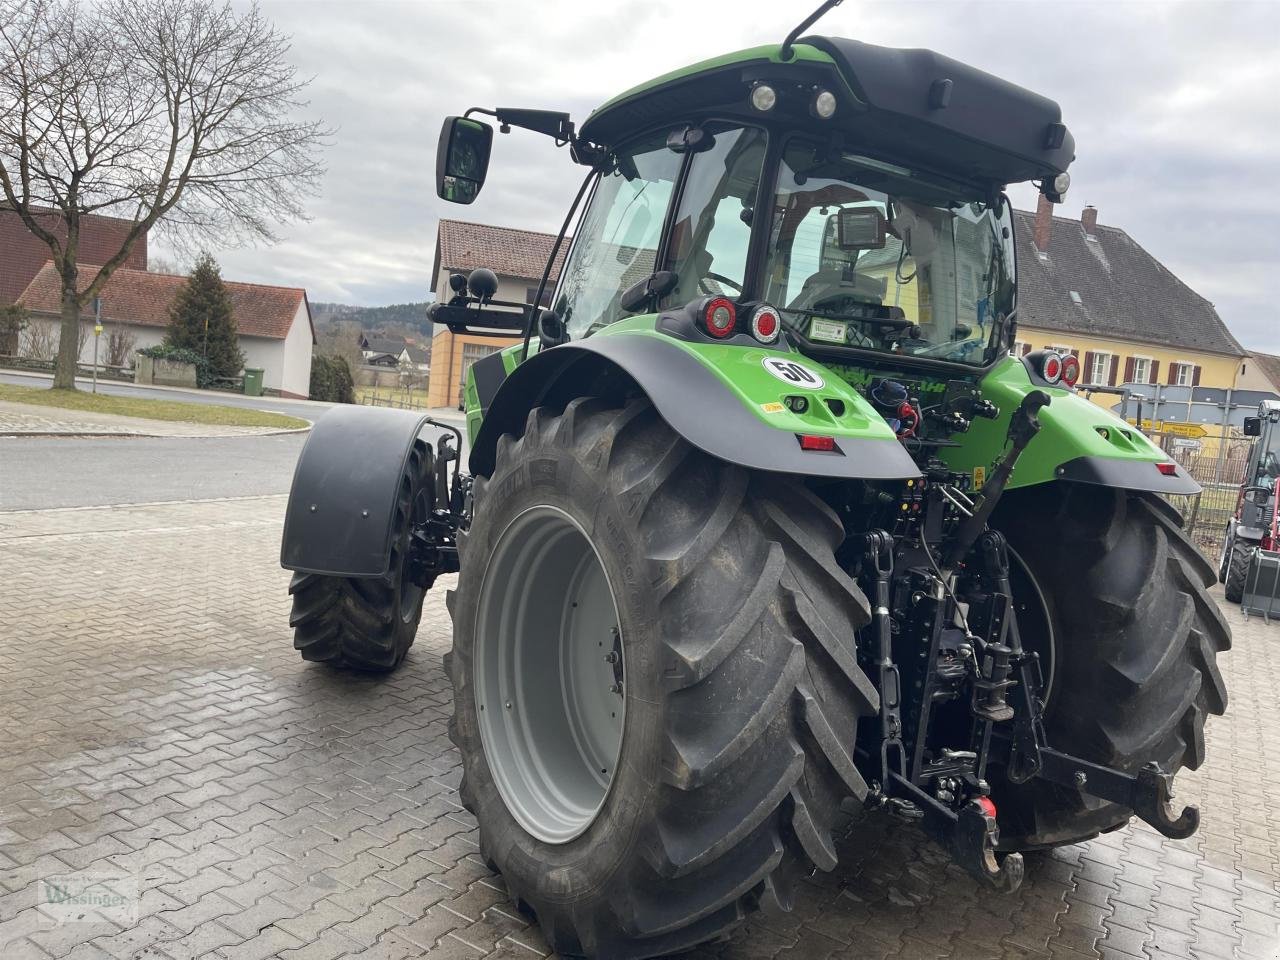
37	473
308	409
43	472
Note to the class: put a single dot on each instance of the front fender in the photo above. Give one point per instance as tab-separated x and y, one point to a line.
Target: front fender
719	397
341	504
1078	441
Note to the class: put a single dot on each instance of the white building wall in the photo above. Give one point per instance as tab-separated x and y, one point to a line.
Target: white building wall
268	356
296	377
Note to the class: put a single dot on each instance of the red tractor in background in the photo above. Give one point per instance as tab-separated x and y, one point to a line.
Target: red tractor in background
1255	525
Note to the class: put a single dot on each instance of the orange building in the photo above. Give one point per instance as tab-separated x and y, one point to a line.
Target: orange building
518	257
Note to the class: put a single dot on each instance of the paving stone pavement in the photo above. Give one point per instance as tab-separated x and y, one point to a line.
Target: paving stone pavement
25	419
155	724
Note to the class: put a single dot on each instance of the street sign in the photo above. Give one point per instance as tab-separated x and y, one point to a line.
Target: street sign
1191	431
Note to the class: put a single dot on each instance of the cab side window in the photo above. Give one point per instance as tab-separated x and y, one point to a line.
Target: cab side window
616	241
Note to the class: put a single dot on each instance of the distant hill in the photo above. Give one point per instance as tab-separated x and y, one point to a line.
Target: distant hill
371	318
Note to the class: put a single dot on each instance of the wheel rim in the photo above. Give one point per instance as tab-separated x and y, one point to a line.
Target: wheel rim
549	672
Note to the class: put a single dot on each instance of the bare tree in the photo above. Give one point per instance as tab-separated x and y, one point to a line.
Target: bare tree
120	344
40	340
182	113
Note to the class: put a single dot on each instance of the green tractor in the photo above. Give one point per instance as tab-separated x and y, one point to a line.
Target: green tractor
742	540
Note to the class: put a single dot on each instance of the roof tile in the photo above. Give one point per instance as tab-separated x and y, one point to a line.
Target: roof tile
507	251
1124	291
140	297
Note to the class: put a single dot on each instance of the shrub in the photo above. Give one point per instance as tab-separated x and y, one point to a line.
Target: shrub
331	379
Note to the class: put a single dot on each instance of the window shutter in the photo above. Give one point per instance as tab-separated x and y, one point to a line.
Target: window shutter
1026	348
1086	376
1195	375
1075	353
1173	374
1154	376
1128	369
1111	372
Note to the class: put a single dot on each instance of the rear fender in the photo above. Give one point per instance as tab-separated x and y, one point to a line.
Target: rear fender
1078	441
341	505
718	397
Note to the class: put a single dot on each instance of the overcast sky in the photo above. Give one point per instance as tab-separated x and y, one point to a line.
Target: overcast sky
1173	107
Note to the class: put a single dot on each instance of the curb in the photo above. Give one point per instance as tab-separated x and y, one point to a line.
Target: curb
76	435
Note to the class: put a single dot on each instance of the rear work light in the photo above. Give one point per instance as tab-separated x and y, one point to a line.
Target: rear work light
765	324
817	444
1070	370
1168	469
1051	367
719	316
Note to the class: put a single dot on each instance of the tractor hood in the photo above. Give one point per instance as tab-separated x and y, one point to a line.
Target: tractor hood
915	106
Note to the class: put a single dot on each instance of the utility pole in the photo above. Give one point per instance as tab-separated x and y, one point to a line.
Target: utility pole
97	335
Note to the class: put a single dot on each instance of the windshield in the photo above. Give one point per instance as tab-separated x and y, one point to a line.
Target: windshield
868	254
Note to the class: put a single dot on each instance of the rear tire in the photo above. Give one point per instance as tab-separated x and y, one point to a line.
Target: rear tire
1136	635
367	623
1236	569
742	691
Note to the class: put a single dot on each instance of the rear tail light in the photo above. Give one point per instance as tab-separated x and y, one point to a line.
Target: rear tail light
719	317
817	444
1168	469
765	324
1070	370
1051	367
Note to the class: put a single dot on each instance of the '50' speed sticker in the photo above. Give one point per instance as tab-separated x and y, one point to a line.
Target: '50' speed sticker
792	373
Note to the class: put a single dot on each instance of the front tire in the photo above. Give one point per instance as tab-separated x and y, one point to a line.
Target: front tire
740	686
367	623
1136	635
1235	569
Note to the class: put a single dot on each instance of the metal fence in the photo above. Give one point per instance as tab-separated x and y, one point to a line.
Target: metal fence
1218	460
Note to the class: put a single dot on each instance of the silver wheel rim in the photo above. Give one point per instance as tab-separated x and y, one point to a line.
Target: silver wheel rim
549	674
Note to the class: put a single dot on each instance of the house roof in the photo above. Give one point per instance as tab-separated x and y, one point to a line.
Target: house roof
522	254
1269	364
417	354
1124	291
143	298
383	344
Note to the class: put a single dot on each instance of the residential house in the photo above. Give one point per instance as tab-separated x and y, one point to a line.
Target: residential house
415	357
273	323
518	257
1091	290
1259	371
23	254
378	345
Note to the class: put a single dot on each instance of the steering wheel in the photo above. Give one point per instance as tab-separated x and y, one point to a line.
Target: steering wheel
720	279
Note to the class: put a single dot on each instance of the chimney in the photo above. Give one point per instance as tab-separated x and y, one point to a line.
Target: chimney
1089	220
1044	224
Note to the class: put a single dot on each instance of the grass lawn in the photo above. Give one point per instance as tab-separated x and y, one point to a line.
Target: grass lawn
148	409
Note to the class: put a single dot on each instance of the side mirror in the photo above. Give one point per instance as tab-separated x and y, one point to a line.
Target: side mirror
462	159
1252	426
551	331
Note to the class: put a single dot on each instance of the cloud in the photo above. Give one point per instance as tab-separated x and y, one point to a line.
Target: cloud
1172	106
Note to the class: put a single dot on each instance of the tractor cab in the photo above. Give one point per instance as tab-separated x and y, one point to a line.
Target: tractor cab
850	196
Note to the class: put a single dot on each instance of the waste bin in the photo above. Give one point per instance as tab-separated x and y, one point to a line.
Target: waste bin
252	382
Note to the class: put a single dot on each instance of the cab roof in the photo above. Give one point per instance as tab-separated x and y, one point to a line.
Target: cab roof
906	105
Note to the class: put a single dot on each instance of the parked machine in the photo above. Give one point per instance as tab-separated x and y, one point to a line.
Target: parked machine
763	515
1256	524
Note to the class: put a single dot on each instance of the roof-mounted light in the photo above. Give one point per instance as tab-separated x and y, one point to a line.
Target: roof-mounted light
763	97
1062	183
824	105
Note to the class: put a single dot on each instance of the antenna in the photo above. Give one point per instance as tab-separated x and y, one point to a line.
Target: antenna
785	53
